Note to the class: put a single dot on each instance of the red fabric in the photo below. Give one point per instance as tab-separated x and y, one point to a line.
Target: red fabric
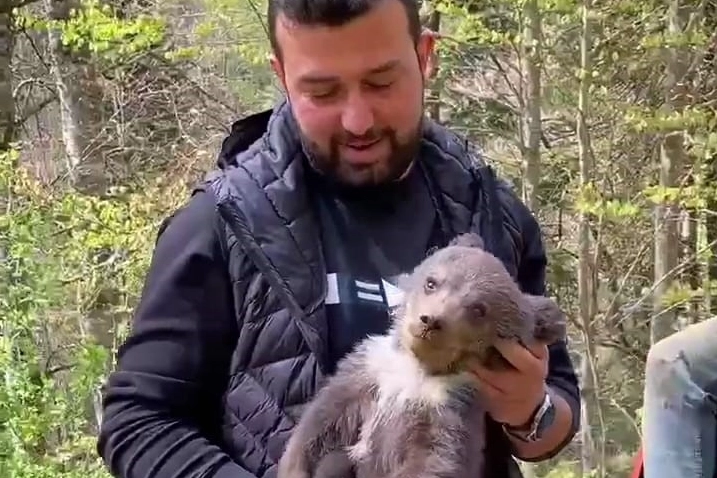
637	470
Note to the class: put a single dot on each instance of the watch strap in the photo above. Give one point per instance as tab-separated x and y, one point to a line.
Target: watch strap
533	429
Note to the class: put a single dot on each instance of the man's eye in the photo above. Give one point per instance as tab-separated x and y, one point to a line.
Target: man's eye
323	93
320	95
380	85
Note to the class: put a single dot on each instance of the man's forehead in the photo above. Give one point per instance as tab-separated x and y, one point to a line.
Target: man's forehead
322	75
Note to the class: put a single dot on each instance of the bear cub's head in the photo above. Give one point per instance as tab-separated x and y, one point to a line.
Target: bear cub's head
459	300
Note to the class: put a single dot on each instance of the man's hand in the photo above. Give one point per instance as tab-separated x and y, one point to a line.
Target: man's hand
512	396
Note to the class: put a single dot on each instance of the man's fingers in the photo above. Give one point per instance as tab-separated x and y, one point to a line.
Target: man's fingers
522	357
490	392
538	349
489	379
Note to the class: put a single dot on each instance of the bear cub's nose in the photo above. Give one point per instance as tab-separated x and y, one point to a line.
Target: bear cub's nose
431	322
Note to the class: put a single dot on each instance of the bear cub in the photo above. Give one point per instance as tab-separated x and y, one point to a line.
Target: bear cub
404	404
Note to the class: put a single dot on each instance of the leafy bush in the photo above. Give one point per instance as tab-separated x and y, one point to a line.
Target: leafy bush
71	268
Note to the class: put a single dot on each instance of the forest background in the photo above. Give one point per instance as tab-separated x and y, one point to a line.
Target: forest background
602	114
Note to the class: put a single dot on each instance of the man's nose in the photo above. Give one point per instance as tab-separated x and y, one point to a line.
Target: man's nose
357	117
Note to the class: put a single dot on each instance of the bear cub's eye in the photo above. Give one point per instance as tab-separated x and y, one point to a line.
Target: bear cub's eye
479	310
430	284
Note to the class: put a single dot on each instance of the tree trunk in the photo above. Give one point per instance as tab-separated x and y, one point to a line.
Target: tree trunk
7	103
532	44
67	83
586	275
531	47
671	160
689	239
709	177
432	20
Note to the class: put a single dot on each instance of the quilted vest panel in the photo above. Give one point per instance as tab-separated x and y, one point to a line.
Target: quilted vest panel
280	359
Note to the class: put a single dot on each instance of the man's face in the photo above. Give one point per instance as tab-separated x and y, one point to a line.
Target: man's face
356	92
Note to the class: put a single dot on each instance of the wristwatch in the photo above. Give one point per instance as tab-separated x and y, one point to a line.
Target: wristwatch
539	421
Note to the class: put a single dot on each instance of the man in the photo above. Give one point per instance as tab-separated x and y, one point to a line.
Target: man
284	259
679	422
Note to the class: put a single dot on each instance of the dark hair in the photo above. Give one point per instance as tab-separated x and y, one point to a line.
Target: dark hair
333	13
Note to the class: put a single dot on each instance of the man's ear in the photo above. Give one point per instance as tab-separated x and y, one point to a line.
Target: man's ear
550	321
426	53
278	69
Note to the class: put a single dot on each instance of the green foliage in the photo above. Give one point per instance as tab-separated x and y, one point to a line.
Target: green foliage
567	470
592	202
97	28
680	293
71	265
695	197
648	120
233	34
63	253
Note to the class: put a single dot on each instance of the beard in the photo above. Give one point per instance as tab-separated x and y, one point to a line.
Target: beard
402	153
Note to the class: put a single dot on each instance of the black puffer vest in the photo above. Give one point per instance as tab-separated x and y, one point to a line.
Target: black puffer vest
281	356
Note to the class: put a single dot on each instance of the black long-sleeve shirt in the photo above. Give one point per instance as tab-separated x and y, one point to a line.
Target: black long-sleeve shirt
162	404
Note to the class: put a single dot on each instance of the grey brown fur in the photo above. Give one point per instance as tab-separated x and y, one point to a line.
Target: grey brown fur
402	405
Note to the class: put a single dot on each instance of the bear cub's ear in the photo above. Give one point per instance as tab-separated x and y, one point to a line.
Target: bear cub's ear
549	320
468	239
